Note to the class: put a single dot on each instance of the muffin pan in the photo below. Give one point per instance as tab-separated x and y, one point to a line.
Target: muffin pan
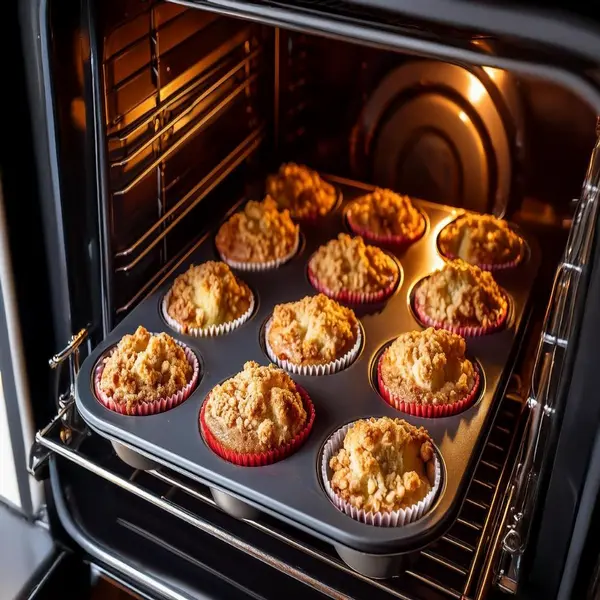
291	490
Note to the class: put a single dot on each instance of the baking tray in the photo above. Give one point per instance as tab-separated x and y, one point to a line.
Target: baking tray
291	490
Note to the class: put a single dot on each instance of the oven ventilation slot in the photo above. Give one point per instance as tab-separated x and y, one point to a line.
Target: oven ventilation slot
185	104
456	566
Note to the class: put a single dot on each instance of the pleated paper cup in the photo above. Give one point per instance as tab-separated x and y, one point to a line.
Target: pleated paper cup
463	330
348	297
324	369
396	518
398	241
260	459
427	410
211	330
155	406
263	266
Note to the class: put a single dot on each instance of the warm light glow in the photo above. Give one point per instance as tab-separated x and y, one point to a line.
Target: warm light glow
476	90
463	116
494	74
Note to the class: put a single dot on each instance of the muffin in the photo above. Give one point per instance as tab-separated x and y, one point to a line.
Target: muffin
349	270
314	336
207	300
259	237
481	240
461	298
257	417
145	374
381	471
301	191
426	373
385	217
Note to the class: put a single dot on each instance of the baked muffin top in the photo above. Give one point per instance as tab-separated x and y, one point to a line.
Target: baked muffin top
461	294
385	465
259	233
208	294
256	411
348	264
428	367
314	330
385	213
480	239
301	191
145	367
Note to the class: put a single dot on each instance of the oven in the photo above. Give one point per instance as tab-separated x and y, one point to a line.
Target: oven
148	122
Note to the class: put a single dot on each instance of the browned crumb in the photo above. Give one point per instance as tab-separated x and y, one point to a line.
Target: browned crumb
385	465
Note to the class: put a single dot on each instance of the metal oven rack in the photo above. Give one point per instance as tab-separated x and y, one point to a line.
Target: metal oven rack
458	566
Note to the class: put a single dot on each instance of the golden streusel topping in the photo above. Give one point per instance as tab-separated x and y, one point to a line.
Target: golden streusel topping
208	294
301	191
314	330
257	410
259	233
348	264
383	212
385	464
428	367
461	294
145	367
480	239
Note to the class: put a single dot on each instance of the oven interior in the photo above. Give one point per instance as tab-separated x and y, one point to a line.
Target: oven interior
167	116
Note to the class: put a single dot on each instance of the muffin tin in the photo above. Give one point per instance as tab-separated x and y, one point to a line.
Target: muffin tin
291	490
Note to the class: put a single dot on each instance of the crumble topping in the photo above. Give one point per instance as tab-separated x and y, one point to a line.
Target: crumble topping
259	233
385	465
301	190
257	410
314	330
384	212
208	294
145	367
461	294
348	264
480	239
428	367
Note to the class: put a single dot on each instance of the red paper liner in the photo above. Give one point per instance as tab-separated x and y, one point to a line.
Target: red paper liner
426	410
465	331
355	297
156	406
391	240
262	458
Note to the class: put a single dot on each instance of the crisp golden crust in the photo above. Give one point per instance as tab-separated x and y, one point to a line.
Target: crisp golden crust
480	239
208	294
301	191
428	367
258	234
385	465
385	213
348	264
144	368
314	330
256	411
461	294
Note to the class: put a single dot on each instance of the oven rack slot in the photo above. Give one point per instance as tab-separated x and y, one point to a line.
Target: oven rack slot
457	566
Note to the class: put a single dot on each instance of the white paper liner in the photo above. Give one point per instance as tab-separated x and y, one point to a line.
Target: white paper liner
211	330
396	518
326	369
263	266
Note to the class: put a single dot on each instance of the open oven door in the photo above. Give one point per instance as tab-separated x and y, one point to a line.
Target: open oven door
544	550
